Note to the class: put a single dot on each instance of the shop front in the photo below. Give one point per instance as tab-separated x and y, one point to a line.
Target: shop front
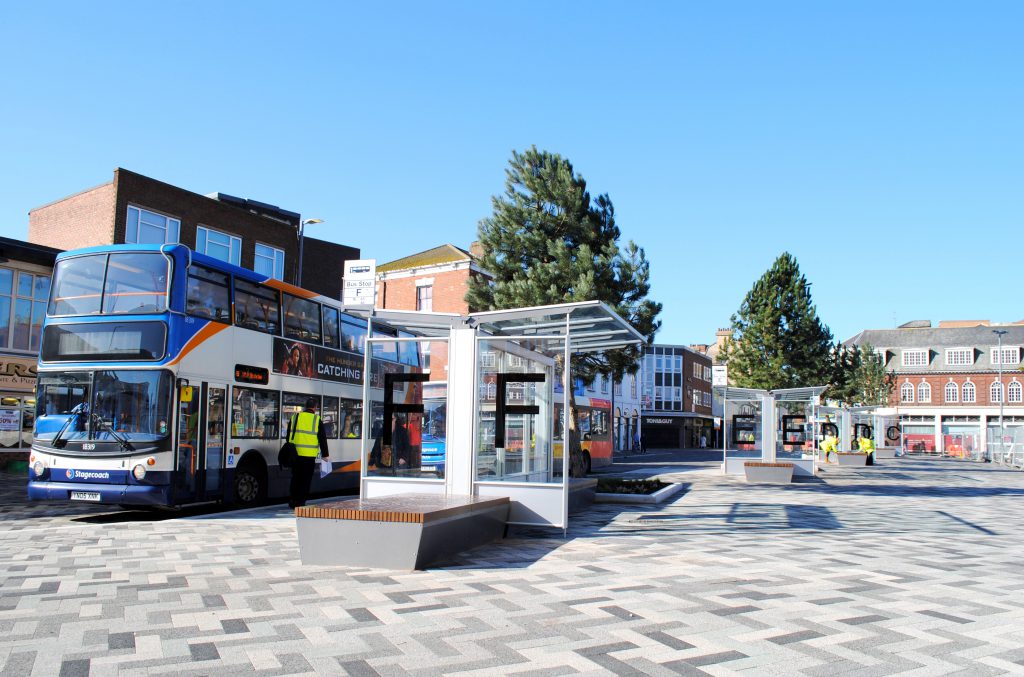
17	409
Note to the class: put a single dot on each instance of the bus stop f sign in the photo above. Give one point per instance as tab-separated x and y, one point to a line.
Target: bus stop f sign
359	286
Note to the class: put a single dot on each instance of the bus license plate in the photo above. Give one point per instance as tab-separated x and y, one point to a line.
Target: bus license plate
85	496
428	468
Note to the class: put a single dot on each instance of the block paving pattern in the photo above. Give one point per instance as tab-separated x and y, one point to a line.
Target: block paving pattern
911	567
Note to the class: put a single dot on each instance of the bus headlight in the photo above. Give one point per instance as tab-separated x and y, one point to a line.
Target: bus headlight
39	468
139	472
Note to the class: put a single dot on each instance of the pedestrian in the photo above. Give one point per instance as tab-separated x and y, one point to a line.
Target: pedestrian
643	445
703	441
306	432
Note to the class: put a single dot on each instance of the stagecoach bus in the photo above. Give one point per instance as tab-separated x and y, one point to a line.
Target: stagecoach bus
167	377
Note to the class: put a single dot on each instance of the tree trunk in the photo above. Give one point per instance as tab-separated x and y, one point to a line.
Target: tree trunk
577	461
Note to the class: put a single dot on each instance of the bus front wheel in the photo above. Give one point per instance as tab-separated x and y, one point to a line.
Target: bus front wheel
250	484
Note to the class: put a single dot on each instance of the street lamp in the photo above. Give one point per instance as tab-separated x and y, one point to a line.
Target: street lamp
1002	393
302	227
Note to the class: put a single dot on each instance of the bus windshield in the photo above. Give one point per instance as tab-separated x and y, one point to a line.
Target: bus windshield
134	404
117	283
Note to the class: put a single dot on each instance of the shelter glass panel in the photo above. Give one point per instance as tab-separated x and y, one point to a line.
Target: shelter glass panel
408	422
743	434
794	421
515	415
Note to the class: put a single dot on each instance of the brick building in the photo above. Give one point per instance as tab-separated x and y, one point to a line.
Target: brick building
436	280
677	399
948	390
133	208
25	271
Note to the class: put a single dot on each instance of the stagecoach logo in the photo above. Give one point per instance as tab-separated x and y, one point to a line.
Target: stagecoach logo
86	475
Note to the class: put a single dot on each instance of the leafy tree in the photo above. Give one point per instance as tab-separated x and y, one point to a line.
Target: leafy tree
547	242
778	340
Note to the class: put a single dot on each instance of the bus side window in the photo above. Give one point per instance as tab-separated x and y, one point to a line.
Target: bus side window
207	294
331	335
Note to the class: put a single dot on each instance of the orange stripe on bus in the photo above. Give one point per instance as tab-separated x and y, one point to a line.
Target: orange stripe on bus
201	336
351	467
291	289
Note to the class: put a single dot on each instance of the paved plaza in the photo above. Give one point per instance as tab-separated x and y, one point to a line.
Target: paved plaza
911	567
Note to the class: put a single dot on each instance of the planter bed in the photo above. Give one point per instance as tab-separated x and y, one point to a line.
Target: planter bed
851	458
634	491
885	452
758	472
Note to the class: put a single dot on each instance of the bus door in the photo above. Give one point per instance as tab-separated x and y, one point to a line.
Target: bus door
212	444
187	463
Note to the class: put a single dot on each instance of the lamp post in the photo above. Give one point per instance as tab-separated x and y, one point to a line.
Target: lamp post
1002	393
302	228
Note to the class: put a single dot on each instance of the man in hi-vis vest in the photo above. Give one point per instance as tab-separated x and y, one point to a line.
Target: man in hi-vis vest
306	432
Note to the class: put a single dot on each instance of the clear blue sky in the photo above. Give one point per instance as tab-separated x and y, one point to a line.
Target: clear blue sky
881	143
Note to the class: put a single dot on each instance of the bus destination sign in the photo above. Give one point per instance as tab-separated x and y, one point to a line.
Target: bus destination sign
248	374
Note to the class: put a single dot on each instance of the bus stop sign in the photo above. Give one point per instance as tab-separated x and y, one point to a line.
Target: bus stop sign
359	286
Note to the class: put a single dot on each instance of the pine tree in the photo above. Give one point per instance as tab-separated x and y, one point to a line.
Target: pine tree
548	242
778	340
873	383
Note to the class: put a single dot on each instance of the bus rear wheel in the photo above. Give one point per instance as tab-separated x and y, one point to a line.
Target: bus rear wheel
250	484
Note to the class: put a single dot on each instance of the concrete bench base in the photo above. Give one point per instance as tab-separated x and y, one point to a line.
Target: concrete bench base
851	458
405	531
768	473
885	452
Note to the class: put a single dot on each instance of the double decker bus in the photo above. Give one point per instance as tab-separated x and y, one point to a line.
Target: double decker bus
167	377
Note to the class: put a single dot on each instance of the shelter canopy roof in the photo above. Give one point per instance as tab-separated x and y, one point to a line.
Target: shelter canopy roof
591	325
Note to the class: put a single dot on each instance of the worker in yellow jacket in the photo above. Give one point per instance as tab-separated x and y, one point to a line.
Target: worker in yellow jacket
306	432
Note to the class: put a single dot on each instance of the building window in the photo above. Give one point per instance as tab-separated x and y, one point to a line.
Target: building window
969	392
28	300
1011	355
995	393
924	392
219	245
952	392
959	357
915	358
1014	391
425	298
269	261
617	390
632	385
906	392
604	384
488	359
146	227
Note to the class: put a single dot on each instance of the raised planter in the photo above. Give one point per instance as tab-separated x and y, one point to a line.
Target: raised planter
851	458
657	497
758	472
885	452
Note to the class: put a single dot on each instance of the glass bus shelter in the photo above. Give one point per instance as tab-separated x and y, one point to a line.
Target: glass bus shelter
493	425
770	426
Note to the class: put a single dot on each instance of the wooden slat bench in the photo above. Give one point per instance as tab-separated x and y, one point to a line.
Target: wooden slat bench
404	531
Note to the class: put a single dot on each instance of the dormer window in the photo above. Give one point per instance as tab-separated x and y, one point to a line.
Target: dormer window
1011	355
915	358
959	357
